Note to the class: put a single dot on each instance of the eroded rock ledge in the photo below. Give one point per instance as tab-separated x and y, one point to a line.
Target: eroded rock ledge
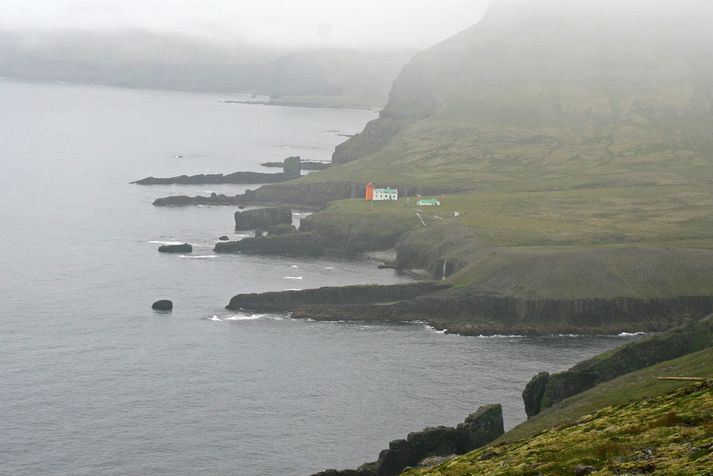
478	429
545	390
291	169
279	301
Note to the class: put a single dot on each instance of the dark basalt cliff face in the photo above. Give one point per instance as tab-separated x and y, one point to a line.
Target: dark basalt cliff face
468	312
291	244
263	218
478	429
545	390
363	294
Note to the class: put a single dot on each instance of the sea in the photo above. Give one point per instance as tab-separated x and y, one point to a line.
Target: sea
92	381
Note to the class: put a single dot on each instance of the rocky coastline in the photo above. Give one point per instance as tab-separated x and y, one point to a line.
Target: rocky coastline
291	169
546	390
422	447
467	312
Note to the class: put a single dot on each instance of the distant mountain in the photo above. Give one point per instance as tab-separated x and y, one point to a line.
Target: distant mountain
147	60
573	93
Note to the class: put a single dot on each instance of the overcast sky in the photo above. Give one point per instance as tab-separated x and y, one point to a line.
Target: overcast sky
322	23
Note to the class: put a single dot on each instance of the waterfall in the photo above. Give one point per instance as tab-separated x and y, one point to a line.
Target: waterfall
443	273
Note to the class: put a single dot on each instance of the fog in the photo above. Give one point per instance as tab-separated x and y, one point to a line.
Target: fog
273	23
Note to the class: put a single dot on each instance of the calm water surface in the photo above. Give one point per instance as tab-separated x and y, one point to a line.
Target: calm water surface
94	382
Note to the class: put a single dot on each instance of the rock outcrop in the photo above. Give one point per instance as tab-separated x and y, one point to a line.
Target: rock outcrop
467	311
291	169
545	390
304	164
214	199
162	305
183	248
293	244
263	218
361	294
478	429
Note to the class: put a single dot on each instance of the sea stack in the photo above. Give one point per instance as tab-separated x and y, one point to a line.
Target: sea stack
183	248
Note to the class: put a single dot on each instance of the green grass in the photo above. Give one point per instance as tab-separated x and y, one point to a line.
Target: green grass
631	386
623	433
614	242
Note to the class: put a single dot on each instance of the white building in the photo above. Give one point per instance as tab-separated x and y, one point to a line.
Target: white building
386	194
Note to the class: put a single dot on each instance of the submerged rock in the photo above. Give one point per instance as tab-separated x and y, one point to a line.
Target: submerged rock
162	305
184	248
224	238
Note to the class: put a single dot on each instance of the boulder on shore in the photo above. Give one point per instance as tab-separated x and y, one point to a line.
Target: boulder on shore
162	305
184	248
224	238
263	218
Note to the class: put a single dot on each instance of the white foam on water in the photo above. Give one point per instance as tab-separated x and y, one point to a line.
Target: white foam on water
244	317
631	334
167	242
293	277
431	328
330	267
215	318
500	336
198	257
294	266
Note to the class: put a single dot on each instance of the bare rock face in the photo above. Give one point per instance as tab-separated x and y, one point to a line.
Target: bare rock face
162	305
545	390
290	244
263	218
184	248
478	429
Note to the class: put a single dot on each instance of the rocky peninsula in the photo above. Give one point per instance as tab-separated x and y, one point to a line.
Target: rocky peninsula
478	429
291	167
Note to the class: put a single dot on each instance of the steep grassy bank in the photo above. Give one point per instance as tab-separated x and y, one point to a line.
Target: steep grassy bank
546	390
670	434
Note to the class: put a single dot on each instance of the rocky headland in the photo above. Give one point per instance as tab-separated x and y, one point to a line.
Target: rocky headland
291	166
261	218
478	429
305	164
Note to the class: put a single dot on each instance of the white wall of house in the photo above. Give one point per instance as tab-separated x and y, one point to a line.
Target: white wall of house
386	194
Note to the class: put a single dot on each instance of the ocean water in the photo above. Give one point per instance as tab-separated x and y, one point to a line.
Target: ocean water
92	381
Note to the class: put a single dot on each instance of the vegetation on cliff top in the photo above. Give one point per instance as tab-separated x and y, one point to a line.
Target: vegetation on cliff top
634	385
601	243
670	434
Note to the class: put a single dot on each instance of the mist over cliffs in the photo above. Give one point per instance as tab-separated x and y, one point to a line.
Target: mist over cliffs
143	59
555	80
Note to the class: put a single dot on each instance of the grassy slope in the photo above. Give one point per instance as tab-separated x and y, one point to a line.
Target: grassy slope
631	386
671	434
621	242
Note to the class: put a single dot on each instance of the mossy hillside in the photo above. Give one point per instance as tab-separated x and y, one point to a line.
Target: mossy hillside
600	243
670	434
546	390
460	155
651	216
631	386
